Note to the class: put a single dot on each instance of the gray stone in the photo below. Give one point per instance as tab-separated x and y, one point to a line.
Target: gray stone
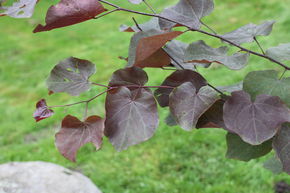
42	177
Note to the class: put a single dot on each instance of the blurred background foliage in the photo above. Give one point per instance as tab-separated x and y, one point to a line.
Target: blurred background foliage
173	160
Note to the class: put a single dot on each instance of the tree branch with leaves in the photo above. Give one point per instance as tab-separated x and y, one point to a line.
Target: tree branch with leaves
255	114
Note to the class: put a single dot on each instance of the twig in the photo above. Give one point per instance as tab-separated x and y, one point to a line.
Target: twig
100	85
200	31
80	102
86	111
149	6
137	25
107	13
258	43
282	74
208	27
216	89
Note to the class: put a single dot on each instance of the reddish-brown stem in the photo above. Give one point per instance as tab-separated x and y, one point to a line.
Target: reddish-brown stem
200	31
283	73
136	86
217	90
109	88
107	13
102	85
80	102
86	110
149	6
208	27
259	45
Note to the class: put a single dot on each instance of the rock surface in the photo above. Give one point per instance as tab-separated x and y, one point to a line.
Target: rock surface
42	177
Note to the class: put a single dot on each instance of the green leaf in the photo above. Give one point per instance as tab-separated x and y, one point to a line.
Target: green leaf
238	149
274	165
200	52
281	145
71	76
169	120
267	82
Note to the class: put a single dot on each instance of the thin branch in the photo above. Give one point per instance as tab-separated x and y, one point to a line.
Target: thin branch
282	74
136	23
149	6
99	94
80	102
100	85
173	59
86	111
200	31
108	3
107	13
258	43
217	90
208	27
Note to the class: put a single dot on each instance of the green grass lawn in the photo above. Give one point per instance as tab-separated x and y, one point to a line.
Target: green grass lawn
173	160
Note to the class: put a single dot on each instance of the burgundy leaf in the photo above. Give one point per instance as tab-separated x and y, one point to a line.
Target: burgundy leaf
231	88
176	49
71	76
20	9
213	117
174	80
146	48
187	104
281	145
131	117
255	122
70	12
152	24
42	111
75	133
186	12
249	32
240	150
280	52
200	52
129	77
